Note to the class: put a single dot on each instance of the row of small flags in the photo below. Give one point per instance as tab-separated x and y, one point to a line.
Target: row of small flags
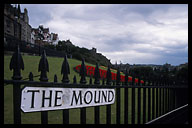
103	73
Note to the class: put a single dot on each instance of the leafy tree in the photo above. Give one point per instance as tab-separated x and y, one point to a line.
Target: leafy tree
182	75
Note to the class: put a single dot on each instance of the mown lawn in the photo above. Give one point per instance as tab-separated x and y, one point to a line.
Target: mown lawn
55	117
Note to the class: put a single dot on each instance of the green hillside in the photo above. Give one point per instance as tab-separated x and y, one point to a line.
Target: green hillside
31	65
54	117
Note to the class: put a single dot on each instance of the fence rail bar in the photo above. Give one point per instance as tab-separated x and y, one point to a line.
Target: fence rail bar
118	117
153	103
149	104
97	115
172	115
83	115
66	116
133	106
174	95
126	106
160	101
69	85
16	103
139	107
168	96
44	68
157	102
44	117
144	105
166	99
108	114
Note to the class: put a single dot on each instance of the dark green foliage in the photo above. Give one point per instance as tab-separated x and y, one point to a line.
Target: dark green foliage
51	46
182	74
79	53
77	56
142	71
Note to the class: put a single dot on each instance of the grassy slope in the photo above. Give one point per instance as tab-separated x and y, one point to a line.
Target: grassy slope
55	117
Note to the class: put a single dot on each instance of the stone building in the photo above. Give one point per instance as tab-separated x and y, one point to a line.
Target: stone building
93	51
54	38
16	23
42	36
25	27
11	26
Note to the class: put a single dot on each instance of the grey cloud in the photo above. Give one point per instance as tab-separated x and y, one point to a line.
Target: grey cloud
153	33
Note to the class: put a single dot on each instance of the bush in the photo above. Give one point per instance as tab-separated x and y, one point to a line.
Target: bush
77	56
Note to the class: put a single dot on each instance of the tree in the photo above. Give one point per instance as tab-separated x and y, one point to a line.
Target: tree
182	75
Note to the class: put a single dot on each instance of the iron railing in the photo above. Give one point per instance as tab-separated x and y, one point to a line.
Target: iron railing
161	98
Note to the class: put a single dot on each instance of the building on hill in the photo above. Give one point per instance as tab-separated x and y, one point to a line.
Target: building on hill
16	23
54	38
32	37
42	36
94	50
11	26
182	66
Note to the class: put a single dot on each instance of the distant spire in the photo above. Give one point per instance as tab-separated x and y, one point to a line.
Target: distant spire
19	10
15	10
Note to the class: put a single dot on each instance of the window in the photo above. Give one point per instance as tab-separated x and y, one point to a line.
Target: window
8	23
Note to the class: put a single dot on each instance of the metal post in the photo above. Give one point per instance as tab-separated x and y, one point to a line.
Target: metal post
16	64
133	101
144	103
83	81
126	99
44	68
118	79
139	103
65	70
157	101
153	100
149	101
97	82
109	106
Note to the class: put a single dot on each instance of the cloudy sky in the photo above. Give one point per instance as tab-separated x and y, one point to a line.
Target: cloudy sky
134	34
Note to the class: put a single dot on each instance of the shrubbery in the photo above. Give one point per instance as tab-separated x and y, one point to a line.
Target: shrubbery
82	53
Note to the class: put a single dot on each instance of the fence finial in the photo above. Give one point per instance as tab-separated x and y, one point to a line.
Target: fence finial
74	79
139	80
133	78
16	64
65	70
103	81
43	67
126	77
144	80
118	78
30	76
90	80
108	76
55	78
97	75
83	72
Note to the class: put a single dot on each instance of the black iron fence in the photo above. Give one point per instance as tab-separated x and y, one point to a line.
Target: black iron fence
157	97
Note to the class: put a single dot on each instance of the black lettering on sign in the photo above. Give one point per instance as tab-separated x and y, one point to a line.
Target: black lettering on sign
56	98
97	101
109	100
76	98
104	95
33	97
46	98
85	97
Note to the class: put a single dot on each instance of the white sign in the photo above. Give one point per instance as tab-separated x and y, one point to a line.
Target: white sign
46	98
